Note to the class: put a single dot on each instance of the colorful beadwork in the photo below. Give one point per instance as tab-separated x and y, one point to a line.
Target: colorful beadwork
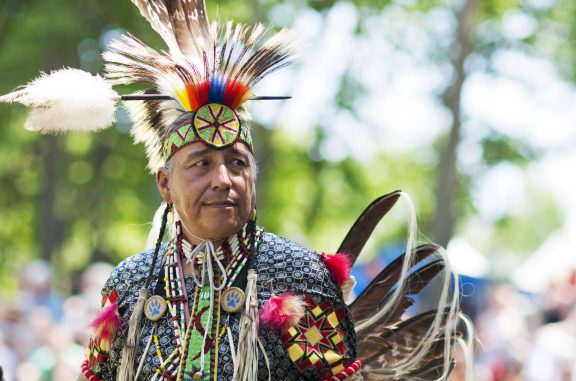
202	321
190	324
350	369
217	129
216	125
88	373
317	340
177	305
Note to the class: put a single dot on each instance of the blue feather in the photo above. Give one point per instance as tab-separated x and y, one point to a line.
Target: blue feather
217	87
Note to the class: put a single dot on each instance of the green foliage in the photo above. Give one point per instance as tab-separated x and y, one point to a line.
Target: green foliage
523	233
498	148
315	200
79	198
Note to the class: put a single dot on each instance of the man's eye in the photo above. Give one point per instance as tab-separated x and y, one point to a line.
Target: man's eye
201	163
239	162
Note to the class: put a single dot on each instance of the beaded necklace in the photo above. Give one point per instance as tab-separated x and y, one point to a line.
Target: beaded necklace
235	251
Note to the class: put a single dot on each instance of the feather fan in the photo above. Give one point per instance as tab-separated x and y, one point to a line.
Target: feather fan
389	346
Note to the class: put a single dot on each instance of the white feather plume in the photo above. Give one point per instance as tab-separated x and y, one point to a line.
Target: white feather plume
67	100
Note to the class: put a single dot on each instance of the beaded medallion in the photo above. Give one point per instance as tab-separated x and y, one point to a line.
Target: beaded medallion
233	299
155	307
216	125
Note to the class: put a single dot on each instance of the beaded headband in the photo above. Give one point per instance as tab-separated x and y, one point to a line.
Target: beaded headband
215	125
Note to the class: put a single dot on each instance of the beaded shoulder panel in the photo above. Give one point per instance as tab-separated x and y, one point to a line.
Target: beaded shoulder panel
285	266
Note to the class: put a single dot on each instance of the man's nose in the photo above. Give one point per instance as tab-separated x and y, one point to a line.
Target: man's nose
221	177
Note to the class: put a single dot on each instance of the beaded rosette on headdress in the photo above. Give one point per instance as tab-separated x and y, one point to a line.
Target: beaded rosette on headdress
198	88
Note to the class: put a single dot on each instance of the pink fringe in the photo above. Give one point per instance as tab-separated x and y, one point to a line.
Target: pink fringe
282	311
339	265
106	324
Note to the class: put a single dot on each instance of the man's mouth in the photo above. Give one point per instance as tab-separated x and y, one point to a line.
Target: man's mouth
220	204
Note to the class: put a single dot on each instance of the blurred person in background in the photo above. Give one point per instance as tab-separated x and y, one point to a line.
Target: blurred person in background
553	354
8	361
36	289
559	297
93	278
58	358
503	334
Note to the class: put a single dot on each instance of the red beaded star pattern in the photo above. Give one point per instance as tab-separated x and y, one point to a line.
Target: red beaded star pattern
317	339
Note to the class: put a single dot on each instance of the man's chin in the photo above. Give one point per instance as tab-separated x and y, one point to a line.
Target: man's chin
222	229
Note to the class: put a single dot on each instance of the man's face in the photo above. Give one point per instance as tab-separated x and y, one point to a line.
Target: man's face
212	190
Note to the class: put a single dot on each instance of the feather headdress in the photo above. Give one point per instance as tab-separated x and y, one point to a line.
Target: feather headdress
197	89
206	65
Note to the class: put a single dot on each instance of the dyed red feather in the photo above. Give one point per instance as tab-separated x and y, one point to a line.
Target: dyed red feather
198	94
282	311
234	94
339	265
105	325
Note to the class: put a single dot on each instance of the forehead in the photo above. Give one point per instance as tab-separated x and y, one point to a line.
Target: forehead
198	149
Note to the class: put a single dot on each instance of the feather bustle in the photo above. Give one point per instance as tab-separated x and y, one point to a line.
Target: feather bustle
417	348
372	297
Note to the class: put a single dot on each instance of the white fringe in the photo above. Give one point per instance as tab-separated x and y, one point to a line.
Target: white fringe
249	344
145	354
409	250
467	345
126	369
348	288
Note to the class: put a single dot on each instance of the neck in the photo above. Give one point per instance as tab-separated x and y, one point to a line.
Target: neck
196	240
224	254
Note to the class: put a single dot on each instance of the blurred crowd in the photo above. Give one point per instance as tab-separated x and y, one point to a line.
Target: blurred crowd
527	337
42	333
520	336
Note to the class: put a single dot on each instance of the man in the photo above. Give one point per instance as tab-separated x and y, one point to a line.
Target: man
222	299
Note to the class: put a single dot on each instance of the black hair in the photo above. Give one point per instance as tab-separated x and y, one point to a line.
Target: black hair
158	244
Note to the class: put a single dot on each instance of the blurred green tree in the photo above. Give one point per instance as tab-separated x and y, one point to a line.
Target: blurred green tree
79	198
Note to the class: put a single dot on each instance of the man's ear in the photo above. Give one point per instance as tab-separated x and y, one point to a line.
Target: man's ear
163	185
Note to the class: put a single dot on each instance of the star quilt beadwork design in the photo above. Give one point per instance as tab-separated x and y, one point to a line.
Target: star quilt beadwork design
316	341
